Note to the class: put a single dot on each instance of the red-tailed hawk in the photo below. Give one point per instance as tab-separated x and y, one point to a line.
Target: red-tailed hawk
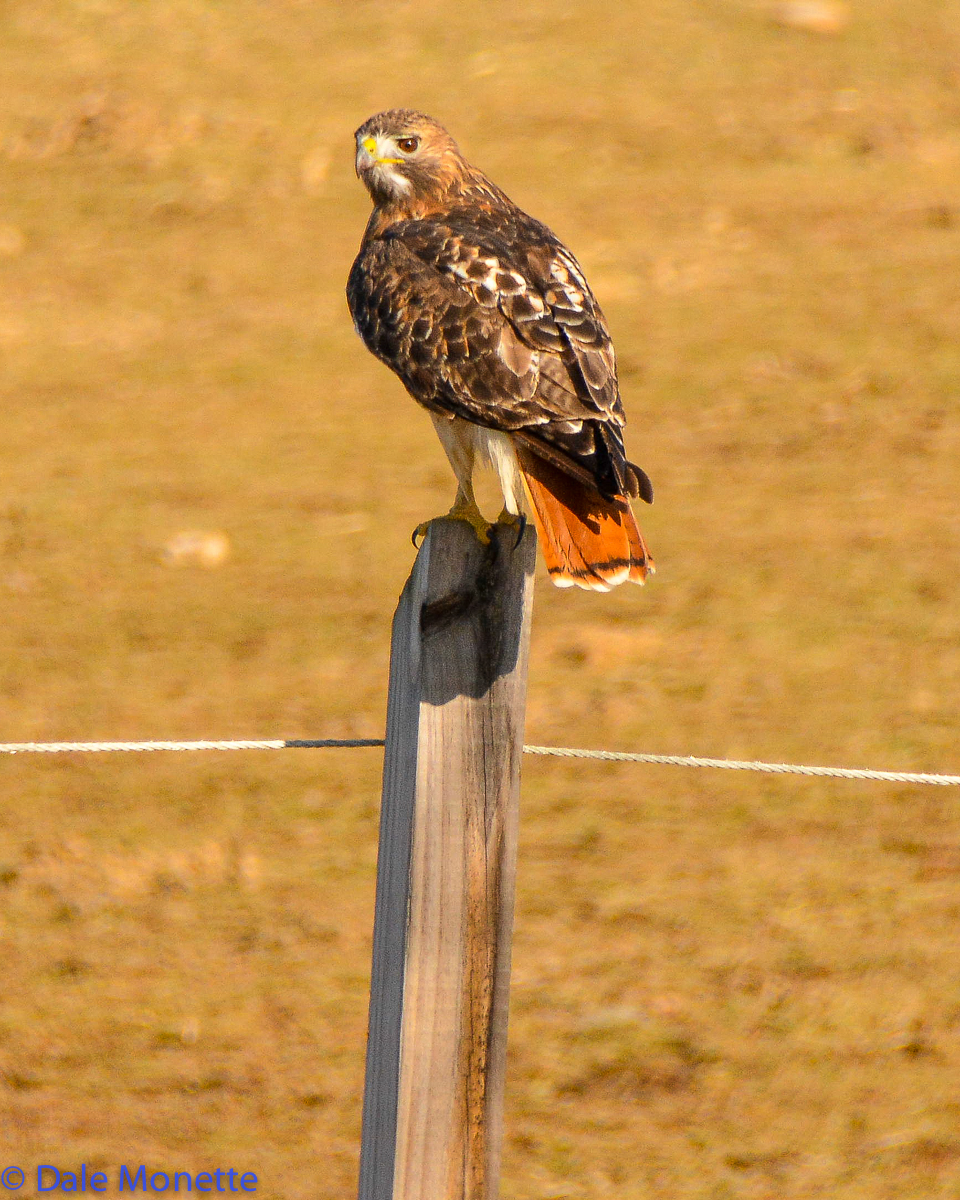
486	317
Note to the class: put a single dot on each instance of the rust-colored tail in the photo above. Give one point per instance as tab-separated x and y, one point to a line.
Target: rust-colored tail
587	541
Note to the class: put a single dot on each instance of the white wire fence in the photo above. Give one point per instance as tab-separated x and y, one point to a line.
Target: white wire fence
669	760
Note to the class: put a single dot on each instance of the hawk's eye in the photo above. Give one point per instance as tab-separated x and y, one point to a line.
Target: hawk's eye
408	144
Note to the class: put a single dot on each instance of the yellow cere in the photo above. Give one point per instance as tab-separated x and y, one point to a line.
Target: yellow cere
370	145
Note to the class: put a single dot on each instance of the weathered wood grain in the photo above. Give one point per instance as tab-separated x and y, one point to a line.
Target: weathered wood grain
433	1104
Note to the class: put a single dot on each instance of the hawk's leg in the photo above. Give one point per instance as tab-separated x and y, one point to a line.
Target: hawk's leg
464	509
499	449
457	438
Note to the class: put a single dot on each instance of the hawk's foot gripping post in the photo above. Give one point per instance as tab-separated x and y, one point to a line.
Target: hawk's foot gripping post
517	521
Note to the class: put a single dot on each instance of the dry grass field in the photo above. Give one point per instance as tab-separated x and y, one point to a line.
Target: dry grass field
726	986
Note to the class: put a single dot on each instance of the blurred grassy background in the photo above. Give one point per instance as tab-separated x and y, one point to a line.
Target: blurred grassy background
724	987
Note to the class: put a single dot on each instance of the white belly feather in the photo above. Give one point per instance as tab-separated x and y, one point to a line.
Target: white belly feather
466	444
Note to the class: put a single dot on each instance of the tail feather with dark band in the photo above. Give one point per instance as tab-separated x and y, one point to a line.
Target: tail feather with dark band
588	541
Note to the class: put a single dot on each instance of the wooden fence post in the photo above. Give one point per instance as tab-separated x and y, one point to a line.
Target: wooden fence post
436	1051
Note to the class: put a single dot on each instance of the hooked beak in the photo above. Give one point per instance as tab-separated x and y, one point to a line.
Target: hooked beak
366	154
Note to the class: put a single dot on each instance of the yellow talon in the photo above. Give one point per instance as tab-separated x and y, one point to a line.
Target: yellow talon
461	511
515	521
465	511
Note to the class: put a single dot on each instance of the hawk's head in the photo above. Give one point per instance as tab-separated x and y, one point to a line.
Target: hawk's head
402	154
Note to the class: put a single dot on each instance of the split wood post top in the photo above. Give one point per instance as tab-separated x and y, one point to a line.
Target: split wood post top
433	1103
